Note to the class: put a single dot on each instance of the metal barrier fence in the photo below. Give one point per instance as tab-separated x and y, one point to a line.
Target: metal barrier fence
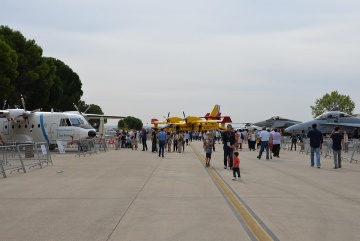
17	156
90	146
351	151
305	147
285	143
327	146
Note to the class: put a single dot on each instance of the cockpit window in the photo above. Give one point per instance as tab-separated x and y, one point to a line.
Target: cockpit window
276	117
331	115
75	121
78	121
65	122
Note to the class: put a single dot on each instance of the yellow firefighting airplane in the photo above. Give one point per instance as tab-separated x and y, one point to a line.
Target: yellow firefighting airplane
212	121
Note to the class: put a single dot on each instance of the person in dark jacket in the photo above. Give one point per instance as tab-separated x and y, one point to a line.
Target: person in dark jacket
228	138
338	144
143	139
316	140
293	140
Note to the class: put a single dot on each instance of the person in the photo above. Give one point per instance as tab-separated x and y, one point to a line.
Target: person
169	141
276	142
271	143
134	141
162	139
117	140
302	138
176	138
293	140
183	141
240	139
252	140
143	139
237	140
245	135
346	141
258	141
264	137
236	166
153	141
316	140
217	136
187	136
338	140
355	134
102	141
208	143
123	139
228	138
180	141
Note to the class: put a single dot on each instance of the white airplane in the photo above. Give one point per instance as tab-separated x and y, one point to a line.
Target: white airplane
37	126
22	125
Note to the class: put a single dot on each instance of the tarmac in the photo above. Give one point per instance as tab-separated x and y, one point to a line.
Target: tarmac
136	195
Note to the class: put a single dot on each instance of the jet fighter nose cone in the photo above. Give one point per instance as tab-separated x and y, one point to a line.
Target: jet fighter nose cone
92	133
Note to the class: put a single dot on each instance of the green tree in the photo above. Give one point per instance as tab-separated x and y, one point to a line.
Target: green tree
8	72
66	88
329	101
93	109
36	73
130	122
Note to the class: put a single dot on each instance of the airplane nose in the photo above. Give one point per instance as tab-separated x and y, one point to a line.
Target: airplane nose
287	130
92	133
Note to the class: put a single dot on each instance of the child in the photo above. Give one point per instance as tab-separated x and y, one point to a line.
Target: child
236	166
208	144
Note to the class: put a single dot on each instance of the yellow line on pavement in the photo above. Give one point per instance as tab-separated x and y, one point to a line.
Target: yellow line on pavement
249	219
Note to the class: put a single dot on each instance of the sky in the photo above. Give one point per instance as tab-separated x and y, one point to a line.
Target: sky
255	59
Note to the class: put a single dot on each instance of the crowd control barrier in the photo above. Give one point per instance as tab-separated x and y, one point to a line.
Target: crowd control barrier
89	146
17	156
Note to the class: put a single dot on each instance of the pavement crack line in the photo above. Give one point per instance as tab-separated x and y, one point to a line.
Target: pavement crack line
122	216
252	224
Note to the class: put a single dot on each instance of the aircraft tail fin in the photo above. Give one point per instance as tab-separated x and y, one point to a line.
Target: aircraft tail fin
225	120
215	111
154	120
214	115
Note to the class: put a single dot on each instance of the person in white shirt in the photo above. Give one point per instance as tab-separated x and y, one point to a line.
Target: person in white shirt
276	143
264	138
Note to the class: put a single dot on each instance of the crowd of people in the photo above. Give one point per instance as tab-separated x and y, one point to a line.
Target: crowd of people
265	140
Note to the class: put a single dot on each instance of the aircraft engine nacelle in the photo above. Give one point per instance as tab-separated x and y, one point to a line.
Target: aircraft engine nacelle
14	114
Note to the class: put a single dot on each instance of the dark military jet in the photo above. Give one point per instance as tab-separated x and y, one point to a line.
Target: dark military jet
327	121
277	122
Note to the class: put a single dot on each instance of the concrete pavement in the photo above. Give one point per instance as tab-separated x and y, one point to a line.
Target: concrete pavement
135	195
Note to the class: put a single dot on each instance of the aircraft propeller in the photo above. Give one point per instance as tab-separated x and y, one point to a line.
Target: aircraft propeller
26	113
184	117
168	117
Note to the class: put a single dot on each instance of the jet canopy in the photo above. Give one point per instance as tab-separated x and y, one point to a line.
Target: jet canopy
276	117
332	114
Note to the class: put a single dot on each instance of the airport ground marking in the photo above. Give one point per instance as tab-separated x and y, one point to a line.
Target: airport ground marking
257	230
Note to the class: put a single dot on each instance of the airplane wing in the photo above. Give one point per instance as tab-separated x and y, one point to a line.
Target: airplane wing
95	116
154	121
176	123
205	121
